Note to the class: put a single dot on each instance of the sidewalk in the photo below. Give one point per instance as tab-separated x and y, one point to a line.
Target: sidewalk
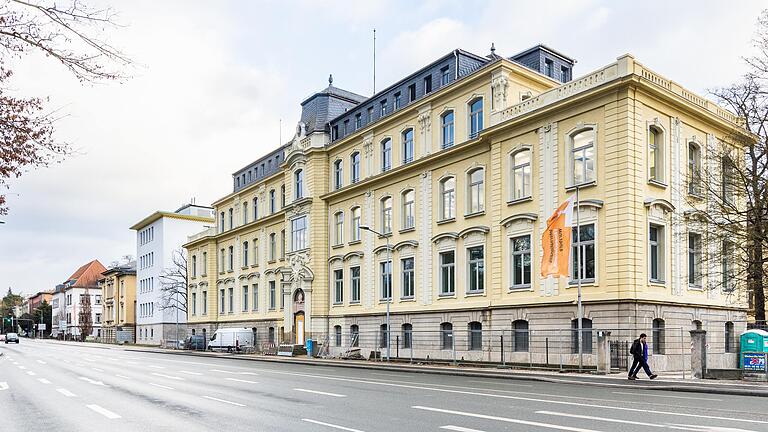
725	387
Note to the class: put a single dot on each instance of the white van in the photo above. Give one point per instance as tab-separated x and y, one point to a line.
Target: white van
231	339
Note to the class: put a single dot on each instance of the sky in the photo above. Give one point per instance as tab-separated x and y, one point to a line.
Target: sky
216	85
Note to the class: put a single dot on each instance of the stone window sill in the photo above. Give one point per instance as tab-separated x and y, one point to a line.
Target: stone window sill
475	214
529	198
445	221
657	183
572	188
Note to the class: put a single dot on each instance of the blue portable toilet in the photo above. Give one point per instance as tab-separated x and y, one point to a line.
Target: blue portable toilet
753	342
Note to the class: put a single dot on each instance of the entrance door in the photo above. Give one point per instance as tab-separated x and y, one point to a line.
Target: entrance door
299	328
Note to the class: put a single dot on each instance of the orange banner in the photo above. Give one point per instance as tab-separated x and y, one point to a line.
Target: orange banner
556	242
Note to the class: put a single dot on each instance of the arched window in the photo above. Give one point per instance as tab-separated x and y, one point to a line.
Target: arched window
448	198
386	215
476	191
245	212
354	165
408	146
582	156
446	125
475	336
730	346
282	196
407	335
658	336
272	202
338	173
521	175
409	209
694	168
475	117
337	334
245	254
355	228
520	328
386	155
255	208
655	154
298	184
338	232
446	335
586	335
354	334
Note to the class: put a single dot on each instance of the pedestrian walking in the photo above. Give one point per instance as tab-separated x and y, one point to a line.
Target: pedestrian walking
639	352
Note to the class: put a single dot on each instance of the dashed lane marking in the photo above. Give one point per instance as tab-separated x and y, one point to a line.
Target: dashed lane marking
168	376
41	362
223	401
330	425
3	386
122	376
242	381
320	392
162	386
30	373
65	392
459	429
503	419
43	380
190	373
103	411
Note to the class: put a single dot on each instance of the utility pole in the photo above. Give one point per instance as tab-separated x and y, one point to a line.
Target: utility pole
578	282
388	287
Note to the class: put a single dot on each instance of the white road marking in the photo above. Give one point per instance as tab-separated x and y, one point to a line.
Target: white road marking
665	396
459	429
504	419
65	392
43	380
320	392
223	371
98	370
30	373
249	373
501	383
22	367
3	385
610	420
333	426
242	381
41	362
103	411
88	380
168	376
162	386
122	376
156	367
190	373
224	401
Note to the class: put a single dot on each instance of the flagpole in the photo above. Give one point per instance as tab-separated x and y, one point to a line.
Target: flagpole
578	281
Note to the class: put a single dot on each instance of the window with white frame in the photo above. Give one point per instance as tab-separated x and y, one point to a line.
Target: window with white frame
205	264
447	273
448	198
475	117
194	304
272	201
729	179
282	196
255	208
255	252
245	254
476	191
245	212
655	154
694	260
272	247
385	270
386	215
338	286
475	269
231	258
222	260
222	301
221	222
298	184
521	261
521	175
194	266
386	155
656	252
299	233
355	167
582	157
583	246
231	218
355	228
694	168
447	129
205	303
409	278
409	209
283	241
338	174
245	298
255	289
338	232
272	295
354	282
408	152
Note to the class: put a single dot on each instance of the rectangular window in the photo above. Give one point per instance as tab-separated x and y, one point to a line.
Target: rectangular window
565	74
245	298
411	92
427	84
355	224
397	102
231	258
231	300
370	114
383	108
656	253
445	76
727	267
346	127
205	303
245	254
386	280
476	269
447	273
194	304
409	279
358	121
222	298
205	264
338	286
586	243
255	296
354	279
299	233
521	261
272	295
694	260
549	69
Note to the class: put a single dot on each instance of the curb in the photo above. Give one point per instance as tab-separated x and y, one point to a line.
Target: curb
516	376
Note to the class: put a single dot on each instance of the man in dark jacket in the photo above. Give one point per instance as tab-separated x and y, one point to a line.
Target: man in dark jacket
639	352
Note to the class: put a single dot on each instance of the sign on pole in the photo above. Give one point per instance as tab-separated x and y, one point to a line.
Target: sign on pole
41	326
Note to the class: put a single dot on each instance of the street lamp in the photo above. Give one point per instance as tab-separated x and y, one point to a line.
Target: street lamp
389	280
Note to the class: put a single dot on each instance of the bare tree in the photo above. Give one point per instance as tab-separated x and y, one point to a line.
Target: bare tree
174	282
67	31
85	319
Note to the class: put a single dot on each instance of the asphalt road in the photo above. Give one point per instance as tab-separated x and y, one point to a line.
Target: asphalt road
48	386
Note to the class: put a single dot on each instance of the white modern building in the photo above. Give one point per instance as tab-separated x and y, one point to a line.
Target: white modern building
159	237
78	292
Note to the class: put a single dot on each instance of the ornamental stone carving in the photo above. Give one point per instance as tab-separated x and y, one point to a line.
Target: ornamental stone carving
425	122
499	86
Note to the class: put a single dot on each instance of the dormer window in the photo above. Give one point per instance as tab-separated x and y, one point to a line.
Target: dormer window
398	99
358	121
427	84
445	76
383	108
549	68
411	92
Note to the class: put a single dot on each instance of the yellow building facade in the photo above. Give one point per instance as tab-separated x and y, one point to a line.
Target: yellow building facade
118	294
456	183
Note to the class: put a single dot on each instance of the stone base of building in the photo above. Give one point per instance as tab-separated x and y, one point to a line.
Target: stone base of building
266	333
161	334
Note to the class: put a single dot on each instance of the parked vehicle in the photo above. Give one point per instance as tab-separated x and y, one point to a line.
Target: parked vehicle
195	342
11	337
231	339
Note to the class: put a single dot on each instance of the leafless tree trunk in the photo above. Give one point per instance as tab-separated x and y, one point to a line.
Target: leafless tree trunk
173	284
85	319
